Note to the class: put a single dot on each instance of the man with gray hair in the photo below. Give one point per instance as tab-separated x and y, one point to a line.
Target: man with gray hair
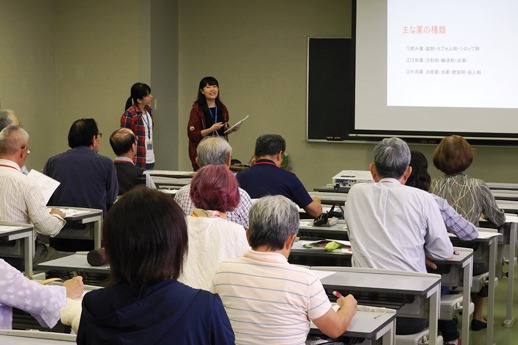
20	199
216	151
393	226
390	223
260	289
9	118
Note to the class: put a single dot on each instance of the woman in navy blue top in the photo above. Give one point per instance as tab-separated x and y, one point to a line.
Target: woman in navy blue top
145	236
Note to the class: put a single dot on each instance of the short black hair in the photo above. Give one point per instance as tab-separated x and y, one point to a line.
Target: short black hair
145	236
269	145
81	132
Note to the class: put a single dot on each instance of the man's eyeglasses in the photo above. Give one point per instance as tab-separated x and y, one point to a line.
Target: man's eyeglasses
100	135
28	150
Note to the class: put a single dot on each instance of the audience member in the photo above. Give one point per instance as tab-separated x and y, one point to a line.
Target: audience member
124	144
260	289
469	196
87	178
21	201
267	178
212	238
453	221
393	226
216	150
138	117
43	302
9	118
146	241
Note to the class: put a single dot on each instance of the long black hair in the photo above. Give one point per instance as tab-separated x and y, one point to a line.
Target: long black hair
200	98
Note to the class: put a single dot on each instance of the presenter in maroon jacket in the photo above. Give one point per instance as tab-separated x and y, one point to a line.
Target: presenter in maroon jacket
209	116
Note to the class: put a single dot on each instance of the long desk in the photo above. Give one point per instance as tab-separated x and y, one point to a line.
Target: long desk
337	231
509	195
424	288
318	256
370	324
460	275
75	262
508	205
93	218
460	265
510	234
19	233
507	247
490	240
332	189
502	186
170	178
19	337
330	198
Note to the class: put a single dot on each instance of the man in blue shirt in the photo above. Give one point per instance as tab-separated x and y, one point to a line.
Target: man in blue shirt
87	178
267	178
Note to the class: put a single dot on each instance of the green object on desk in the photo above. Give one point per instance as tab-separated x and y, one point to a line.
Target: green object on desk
332	246
328	245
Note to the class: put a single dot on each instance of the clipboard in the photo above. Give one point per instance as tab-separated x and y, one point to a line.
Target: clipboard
238	123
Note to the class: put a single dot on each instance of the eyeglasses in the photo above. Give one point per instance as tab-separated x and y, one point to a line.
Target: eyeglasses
100	135
28	150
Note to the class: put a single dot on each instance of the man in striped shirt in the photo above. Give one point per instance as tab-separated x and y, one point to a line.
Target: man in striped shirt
21	201
266	298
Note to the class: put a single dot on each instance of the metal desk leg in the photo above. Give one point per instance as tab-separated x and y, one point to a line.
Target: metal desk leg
467	277
434	314
97	232
28	254
389	338
509	320
491	296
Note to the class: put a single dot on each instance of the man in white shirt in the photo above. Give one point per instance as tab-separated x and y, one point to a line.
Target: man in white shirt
9	118
393	226
216	150
20	199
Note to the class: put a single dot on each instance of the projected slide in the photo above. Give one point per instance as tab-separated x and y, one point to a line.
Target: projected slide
444	53
437	66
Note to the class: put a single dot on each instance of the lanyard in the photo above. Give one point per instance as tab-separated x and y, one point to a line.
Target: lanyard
148	123
8	166
214	118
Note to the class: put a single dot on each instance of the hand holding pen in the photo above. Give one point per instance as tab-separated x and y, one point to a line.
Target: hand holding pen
346	302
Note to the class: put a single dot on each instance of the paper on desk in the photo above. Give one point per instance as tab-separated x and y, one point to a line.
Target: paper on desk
71	212
46	184
343	242
322	274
